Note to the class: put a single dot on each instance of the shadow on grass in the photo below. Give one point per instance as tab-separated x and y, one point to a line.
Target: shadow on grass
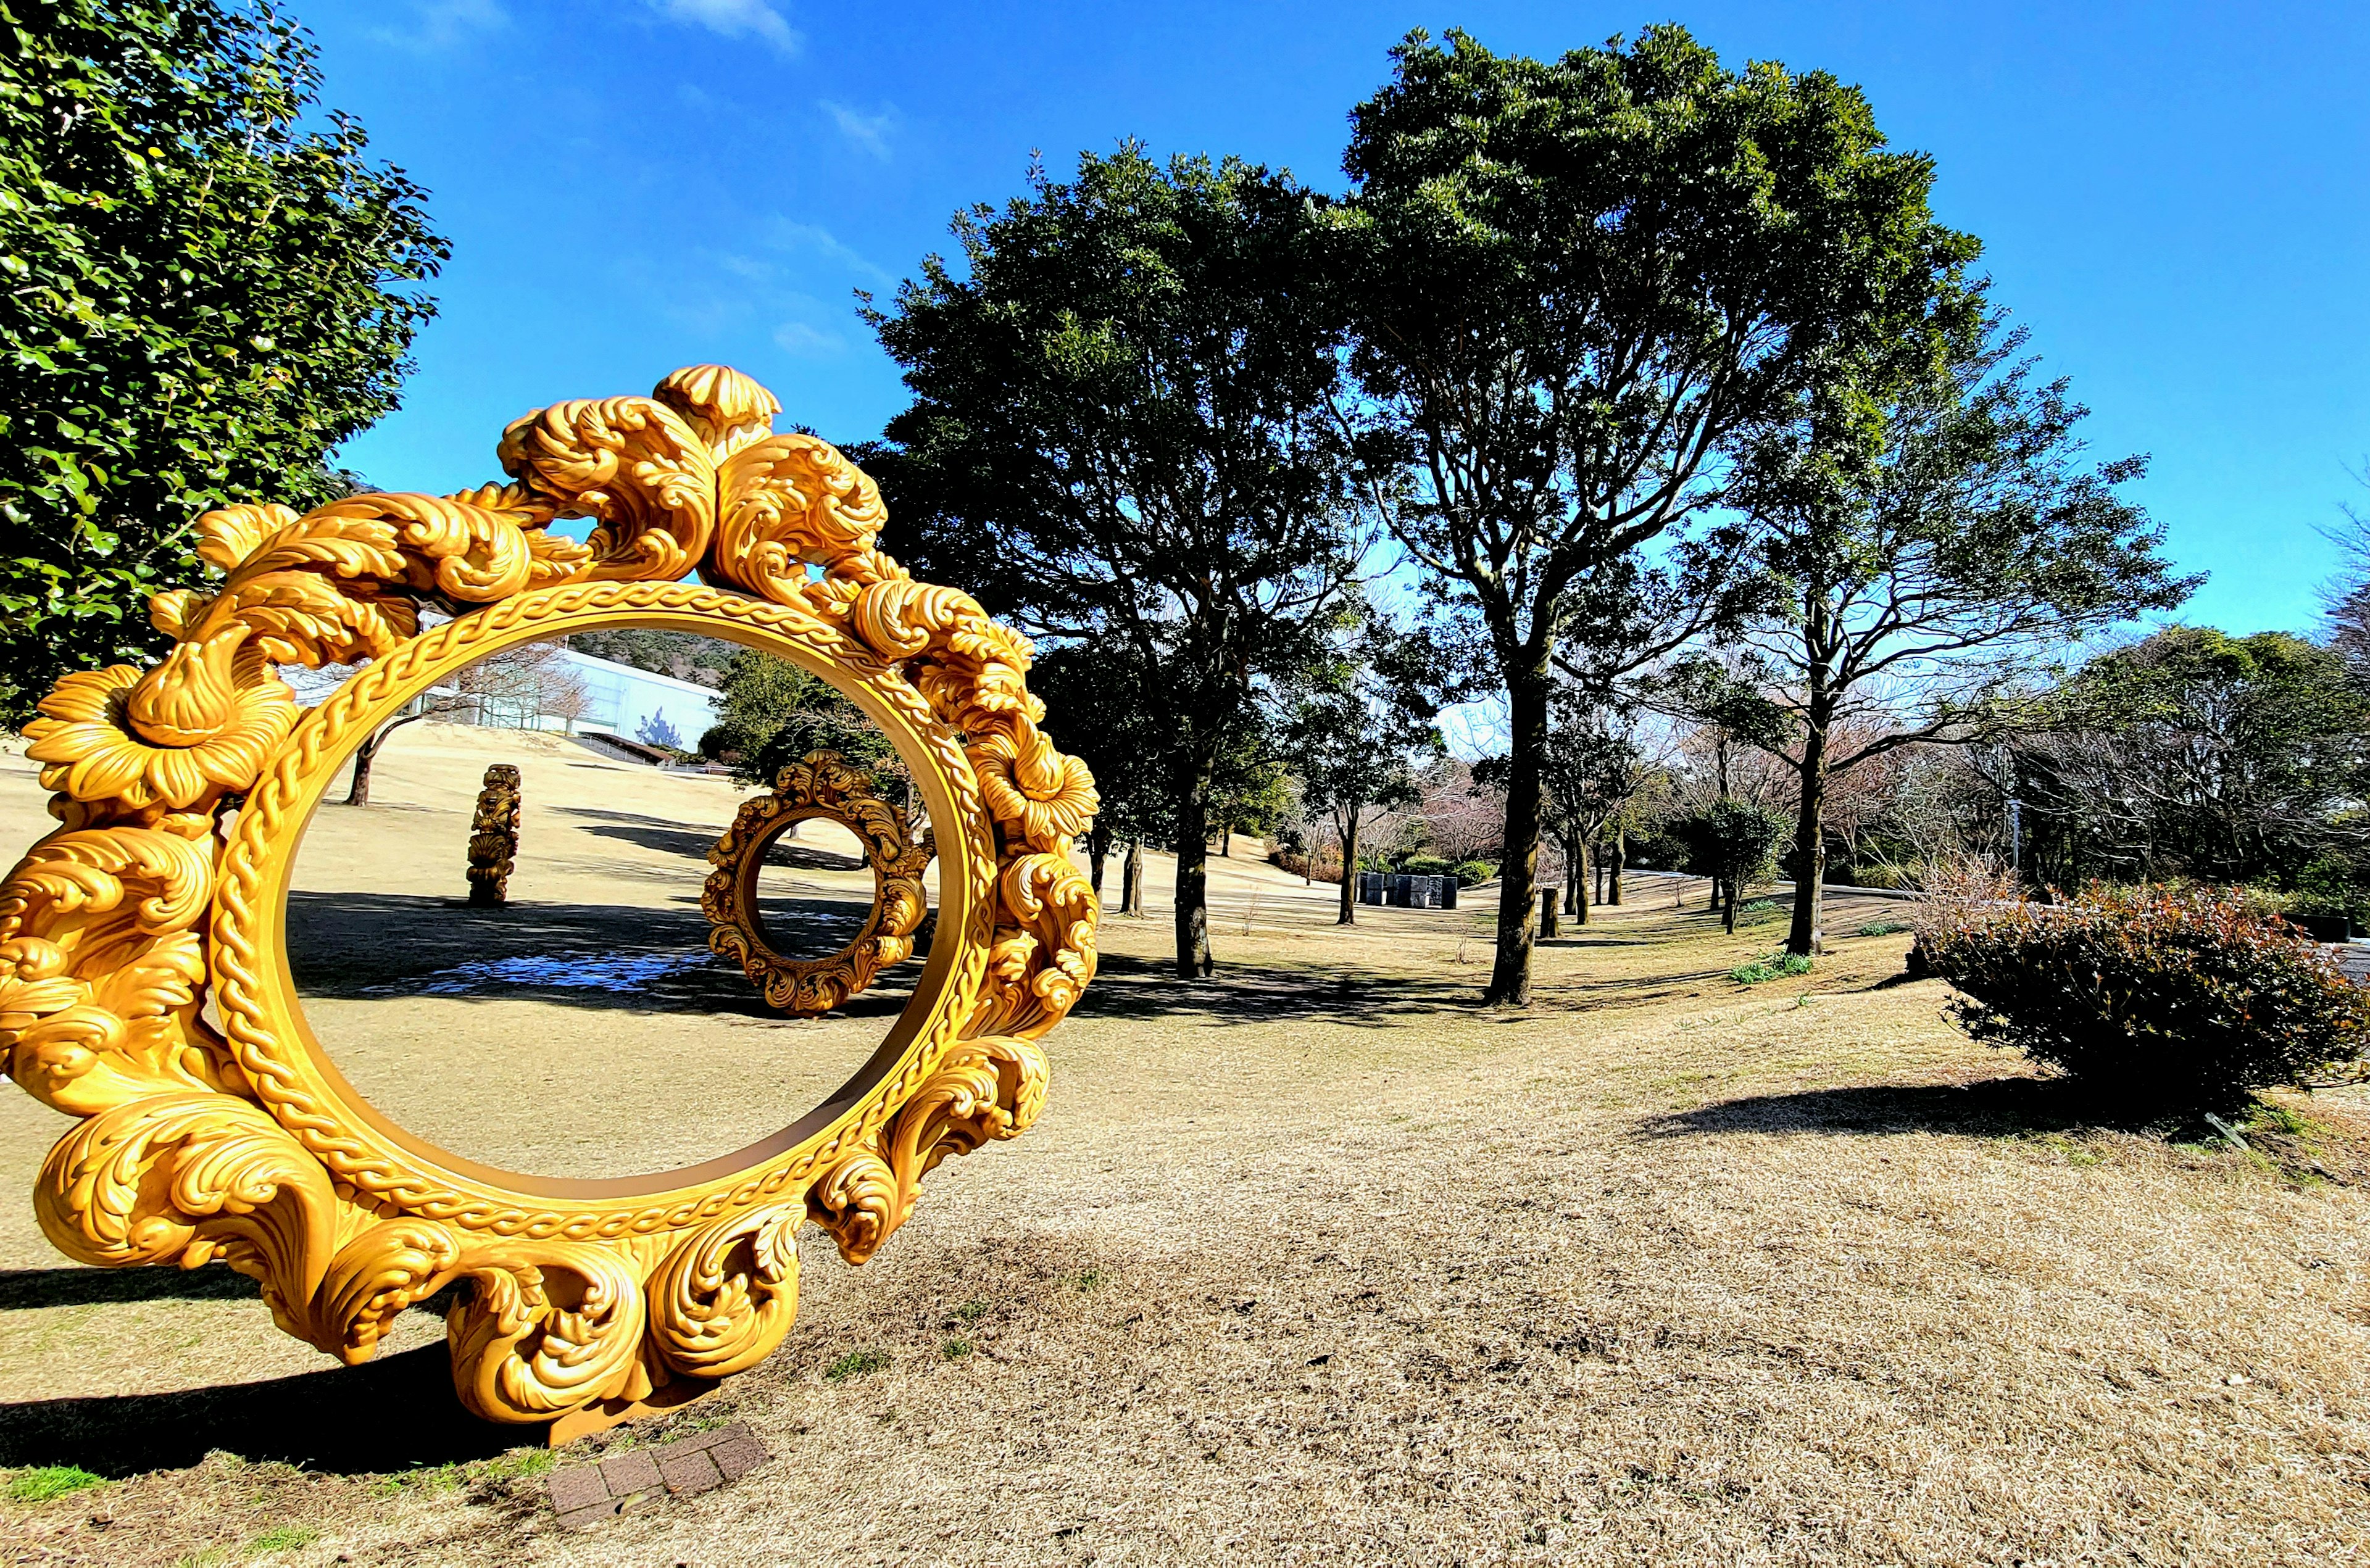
623	956
1133	988
1993	1108
24	1289
393	1414
673	837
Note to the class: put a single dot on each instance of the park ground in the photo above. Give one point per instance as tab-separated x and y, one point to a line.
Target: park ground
1317	1262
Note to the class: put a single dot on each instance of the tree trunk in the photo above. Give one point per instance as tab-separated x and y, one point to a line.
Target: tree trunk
1728	908
1098	850
1510	977
1620	863
1193	960
1131	879
1600	874
1804	936
1348	915
1227	841
358	792
1581	859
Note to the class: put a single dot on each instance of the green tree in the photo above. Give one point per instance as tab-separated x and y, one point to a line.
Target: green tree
1574	284
1122	432
1593	773
1734	842
2194	753
1354	744
1933	550
1097	710
775	712
208	286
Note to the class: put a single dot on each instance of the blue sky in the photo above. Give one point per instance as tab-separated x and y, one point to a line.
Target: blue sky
2172	198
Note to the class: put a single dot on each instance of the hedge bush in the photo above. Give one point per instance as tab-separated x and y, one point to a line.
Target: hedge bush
1426	865
1475	872
2168	999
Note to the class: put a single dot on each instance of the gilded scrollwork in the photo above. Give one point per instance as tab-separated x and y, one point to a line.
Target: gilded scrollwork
142	986
824	785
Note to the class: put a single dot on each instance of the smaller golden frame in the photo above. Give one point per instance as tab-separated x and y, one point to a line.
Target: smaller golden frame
824	787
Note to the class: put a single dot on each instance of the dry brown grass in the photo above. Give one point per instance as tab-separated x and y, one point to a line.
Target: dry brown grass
1323	1263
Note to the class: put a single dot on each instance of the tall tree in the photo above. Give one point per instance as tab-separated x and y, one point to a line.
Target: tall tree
1355	743
1106	723
1933	550
1121	430
1574	284
1594	770
208	286
2194	753
775	712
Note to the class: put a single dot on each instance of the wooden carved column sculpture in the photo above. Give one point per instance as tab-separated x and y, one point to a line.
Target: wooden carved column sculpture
145	987
493	836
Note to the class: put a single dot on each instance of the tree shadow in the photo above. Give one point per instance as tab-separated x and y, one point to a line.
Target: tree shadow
1990	1108
22	1289
1137	989
350	946
398	1413
693	843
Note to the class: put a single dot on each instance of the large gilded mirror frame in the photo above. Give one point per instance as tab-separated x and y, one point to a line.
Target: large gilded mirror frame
144	984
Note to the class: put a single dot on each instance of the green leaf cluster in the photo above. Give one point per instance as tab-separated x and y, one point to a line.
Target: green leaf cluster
775	712
208	286
2162	999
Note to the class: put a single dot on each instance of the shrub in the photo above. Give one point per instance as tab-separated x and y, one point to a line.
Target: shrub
1758	910
1883	927
1426	865
1474	872
2184	1000
1769	969
1884	875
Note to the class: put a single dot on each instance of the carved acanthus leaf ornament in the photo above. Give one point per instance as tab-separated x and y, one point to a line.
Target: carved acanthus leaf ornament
143	983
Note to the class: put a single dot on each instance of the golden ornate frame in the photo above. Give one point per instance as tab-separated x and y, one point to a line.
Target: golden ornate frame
493	836
144	988
825	786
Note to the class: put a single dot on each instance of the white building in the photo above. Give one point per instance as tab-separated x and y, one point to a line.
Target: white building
638	704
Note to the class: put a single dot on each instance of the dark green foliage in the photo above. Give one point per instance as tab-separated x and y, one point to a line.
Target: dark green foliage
206	291
1123	433
2194	753
1733	842
684	655
1427	865
774	713
1575	284
2163	999
1475	872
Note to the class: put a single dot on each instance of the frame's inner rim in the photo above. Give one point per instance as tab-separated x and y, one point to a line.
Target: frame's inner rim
744	894
637	1191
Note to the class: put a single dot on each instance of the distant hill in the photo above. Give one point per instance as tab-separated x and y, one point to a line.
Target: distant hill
679	654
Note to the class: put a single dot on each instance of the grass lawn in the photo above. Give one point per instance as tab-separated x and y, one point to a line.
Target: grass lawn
1318	1261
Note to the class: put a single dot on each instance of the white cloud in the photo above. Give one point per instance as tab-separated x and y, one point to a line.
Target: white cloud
735	19
439	25
823	242
869	132
803	341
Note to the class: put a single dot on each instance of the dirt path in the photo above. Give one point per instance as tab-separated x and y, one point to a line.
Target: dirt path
1322	1262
